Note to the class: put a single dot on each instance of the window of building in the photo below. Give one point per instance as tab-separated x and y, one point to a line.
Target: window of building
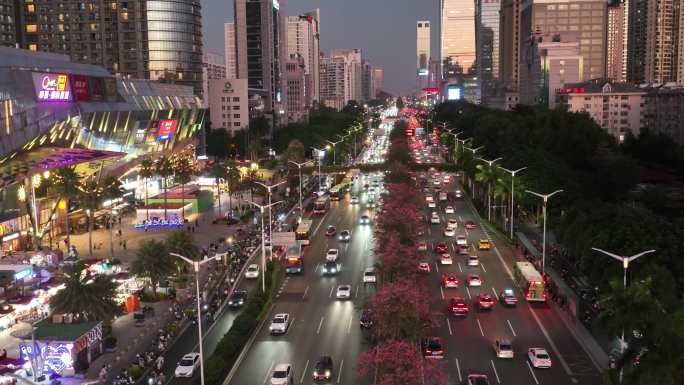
33	47
31	28
223	98
124	15
236	124
223	108
30	8
223	116
236	107
236	99
236	116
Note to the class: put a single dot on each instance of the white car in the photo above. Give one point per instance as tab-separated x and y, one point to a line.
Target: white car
354	200
503	348
280	323
187	365
343	292
474	280
364	220
445	259
345	235
429	198
282	375
332	255
432	205
449	232
461	240
452	223
434	219
449	209
539	357
252	271
473	260
369	275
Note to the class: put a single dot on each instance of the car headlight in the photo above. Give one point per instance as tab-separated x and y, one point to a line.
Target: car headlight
327	373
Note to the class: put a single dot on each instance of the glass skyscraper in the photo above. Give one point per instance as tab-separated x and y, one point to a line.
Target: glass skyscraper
487	38
457	36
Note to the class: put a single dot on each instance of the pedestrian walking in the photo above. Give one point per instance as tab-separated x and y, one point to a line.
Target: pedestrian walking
124	244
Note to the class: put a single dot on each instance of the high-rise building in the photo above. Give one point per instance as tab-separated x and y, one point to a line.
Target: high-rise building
547	63
333	82
554	17
229	38
422	44
378	79
457	36
213	67
303	39
615	48
258	31
146	39
367	85
353	72
487	39
653	41
509	43
7	26
295	89
228	104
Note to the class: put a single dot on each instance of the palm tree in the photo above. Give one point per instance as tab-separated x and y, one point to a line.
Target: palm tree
233	182
86	296
112	191
164	169
147	171
183	171
153	262
181	242
218	171
90	198
488	176
66	182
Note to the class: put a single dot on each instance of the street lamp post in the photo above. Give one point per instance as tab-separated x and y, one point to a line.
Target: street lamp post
299	166
333	148
512	172
455	135
474	151
625	265
196	267
320	151
263	245
463	142
546	199
489	187
270	217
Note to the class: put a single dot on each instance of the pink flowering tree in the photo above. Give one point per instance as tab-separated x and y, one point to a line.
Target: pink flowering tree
399	362
401	310
396	261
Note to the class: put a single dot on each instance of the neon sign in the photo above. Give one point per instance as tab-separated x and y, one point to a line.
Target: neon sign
57	358
155	222
52	87
167	127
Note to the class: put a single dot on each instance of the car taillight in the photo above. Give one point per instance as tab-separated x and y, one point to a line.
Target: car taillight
528	294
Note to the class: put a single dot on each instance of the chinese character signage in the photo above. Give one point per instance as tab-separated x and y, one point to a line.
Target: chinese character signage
52	87
167	127
79	84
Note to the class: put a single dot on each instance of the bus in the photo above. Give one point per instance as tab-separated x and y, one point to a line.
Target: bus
335	193
530	282
303	231
294	259
321	205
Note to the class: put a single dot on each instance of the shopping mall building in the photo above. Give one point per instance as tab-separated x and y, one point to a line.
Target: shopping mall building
55	113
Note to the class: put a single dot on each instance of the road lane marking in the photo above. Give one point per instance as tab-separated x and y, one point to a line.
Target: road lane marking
495	372
339	371
331	290
483	267
305	291
480	326
468	292
436	267
460	219
318	331
429	231
459	267
458	369
301	381
268	372
356	293
511	326
316	268
550	341
320	223
453	247
532	372
495	293
449	325
441	291
349	325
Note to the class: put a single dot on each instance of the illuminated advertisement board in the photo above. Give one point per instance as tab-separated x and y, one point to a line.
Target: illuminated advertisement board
52	87
79	84
453	93
97	89
167	127
423	72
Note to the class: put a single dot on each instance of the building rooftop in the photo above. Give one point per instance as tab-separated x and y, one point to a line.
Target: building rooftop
47	330
598	86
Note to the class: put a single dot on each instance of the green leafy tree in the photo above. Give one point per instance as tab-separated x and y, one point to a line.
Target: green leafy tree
112	190
233	181
164	169
491	178
181	242
90	198
183	170
219	171
147	171
66	182
90	297
153	262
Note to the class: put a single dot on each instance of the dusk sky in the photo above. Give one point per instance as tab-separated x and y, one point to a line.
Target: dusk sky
384	29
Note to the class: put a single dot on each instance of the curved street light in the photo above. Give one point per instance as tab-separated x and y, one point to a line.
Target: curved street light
545	198
512	172
489	187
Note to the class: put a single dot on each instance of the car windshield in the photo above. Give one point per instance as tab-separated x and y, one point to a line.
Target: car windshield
279	374
542	356
278	320
252	268
369	274
480	381
186	362
434	344
505	347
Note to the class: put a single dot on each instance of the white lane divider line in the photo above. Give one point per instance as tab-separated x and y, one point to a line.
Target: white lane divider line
268	372
320	223
305	292
339	371
351	318
458	369
498	380
331	290
320	324
356	292
483	267
534	377
550	341
449	325
495	293
511	326
468	292
459	267
460	219
441	291
301	381
436	267
453	247
316	268
479	325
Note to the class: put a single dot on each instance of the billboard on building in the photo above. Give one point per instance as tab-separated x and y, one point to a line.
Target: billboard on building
52	87
167	128
79	84
453	92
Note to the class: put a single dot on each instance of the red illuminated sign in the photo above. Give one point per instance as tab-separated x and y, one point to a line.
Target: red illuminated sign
431	90
79	85
167	127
